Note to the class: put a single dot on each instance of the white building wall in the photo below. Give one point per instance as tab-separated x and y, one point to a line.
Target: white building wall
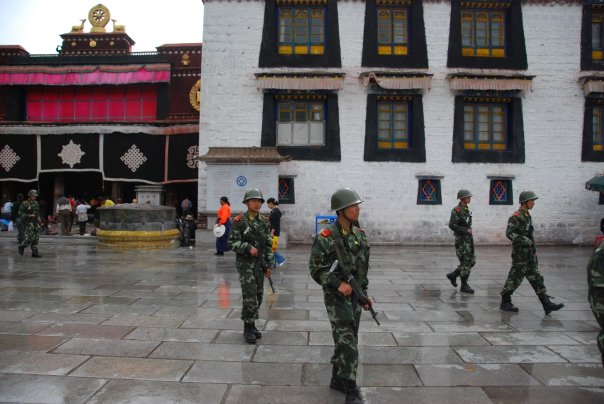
553	124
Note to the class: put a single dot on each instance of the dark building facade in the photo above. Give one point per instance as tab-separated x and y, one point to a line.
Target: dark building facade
97	119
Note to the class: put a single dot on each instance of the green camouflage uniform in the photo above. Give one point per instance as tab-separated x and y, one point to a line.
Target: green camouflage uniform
595	281
524	254
344	312
32	224
247	232
460	222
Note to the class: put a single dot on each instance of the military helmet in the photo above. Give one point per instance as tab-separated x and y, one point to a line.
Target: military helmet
463	193
527	196
343	198
32	192
253	194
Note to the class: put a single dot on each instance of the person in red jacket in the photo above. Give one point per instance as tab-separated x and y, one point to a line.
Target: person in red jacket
224	219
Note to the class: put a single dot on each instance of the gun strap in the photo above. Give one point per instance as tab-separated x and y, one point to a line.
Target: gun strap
339	244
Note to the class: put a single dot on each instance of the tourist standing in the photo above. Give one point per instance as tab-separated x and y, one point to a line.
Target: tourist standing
64	215
274	219
81	211
223	219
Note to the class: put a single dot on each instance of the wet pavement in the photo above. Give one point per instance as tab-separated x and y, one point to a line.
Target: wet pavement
86	325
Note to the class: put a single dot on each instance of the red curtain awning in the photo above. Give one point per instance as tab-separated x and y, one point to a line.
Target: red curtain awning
84	75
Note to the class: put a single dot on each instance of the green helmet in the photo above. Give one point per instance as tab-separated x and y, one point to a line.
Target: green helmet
32	192
527	196
343	198
463	193
253	194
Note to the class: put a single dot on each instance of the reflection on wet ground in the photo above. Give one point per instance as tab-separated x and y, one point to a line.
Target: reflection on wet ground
86	325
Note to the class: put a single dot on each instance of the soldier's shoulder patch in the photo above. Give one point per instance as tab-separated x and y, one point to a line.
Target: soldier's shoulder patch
238	218
517	213
325	233
458	209
361	230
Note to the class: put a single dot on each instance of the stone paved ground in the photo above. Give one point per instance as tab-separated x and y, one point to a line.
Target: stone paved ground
84	325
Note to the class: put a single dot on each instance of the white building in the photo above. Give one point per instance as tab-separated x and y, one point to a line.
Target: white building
407	101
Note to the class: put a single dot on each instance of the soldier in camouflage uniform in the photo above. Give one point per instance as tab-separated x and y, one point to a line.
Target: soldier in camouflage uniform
29	212
595	282
343	309
524	257
461	224
251	240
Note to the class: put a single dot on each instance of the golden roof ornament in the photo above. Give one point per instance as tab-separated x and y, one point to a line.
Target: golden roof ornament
99	16
78	28
118	27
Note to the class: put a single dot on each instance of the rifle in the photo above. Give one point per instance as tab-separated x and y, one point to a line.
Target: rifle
358	292
261	266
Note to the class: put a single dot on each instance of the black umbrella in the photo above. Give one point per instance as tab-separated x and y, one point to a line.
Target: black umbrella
595	184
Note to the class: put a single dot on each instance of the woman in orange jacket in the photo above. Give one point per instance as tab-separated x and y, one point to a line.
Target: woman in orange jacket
224	218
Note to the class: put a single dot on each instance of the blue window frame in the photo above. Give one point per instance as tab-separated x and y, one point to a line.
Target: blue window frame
428	192
393	122
485	123
500	192
301	28
392	27
483	33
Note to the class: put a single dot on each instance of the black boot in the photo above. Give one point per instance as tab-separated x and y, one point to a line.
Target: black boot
353	394
465	288
21	250
257	333
548	306
34	253
506	303
453	277
337	383
248	333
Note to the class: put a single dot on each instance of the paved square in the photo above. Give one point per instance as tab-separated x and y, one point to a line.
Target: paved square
87	325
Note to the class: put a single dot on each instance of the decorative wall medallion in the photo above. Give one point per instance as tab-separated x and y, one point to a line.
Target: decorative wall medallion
8	158
133	158
71	154
195	96
185	60
92	43
192	153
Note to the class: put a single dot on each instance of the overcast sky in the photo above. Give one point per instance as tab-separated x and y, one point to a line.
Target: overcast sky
36	25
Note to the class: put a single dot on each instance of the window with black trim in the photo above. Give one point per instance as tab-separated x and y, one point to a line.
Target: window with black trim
593	129
592	36
501	192
485	123
394	128
300	33
303	125
394	34
428	192
301	28
300	121
488	128
487	34
286	190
